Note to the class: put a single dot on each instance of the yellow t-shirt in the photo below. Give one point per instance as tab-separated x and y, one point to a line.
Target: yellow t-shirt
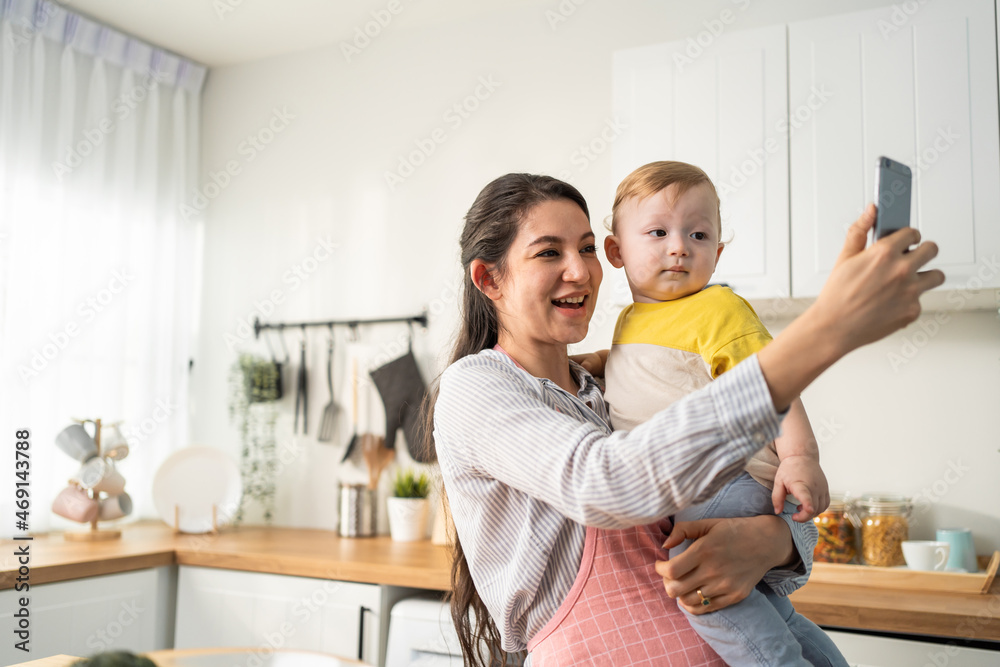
663	351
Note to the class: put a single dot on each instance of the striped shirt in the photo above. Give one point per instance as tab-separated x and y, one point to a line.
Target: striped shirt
527	466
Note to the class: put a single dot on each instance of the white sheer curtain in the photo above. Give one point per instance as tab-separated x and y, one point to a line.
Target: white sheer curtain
98	266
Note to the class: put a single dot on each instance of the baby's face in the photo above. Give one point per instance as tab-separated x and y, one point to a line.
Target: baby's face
669	246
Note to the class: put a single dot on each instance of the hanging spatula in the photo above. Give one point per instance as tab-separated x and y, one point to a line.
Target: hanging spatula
328	423
354	411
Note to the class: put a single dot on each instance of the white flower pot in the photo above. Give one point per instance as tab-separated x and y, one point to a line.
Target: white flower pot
407	518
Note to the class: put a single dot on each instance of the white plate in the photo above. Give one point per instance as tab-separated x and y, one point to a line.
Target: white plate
193	480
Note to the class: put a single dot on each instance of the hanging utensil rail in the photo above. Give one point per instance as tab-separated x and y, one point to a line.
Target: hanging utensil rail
259	326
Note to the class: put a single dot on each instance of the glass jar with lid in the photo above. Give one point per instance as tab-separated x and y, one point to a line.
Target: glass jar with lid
836	542
885	525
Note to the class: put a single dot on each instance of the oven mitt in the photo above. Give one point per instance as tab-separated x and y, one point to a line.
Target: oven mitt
402	391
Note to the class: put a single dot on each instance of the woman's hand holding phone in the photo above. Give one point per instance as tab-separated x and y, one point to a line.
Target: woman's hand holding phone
893	193
875	291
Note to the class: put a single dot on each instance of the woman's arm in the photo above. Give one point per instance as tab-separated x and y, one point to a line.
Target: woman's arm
870	293
717	562
495	422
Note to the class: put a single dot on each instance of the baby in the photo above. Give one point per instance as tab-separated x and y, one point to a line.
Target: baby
677	337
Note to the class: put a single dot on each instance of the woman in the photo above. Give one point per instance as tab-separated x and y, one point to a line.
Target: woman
559	521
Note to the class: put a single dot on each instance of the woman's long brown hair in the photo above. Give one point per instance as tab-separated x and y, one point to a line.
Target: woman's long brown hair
490	228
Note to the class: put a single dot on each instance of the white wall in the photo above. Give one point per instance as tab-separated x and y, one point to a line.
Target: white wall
917	415
323	175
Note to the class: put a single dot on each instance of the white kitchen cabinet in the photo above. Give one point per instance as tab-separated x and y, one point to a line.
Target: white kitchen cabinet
916	82
718	102
129	611
866	650
227	608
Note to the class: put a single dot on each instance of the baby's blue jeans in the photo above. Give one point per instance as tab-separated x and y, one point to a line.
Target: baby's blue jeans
763	629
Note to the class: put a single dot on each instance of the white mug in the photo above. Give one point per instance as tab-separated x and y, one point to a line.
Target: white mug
75	441
100	475
926	554
115	446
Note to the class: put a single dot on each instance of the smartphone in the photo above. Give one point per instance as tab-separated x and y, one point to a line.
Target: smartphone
893	188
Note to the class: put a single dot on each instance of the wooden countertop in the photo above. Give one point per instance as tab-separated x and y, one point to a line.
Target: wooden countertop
54	661
174	658
293	551
962	615
379	560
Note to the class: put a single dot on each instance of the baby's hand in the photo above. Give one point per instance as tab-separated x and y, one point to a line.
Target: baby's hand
592	362
801	476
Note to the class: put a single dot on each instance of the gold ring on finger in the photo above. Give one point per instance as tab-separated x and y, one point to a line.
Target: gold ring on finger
705	601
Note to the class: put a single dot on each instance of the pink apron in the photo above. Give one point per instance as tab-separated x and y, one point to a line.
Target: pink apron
617	612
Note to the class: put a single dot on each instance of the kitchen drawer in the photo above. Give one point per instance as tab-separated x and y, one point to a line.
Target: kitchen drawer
227	608
865	650
128	611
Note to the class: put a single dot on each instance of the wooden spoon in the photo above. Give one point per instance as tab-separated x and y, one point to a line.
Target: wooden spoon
377	457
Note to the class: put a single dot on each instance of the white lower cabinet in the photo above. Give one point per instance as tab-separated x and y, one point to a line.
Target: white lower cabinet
872	651
130	611
263	612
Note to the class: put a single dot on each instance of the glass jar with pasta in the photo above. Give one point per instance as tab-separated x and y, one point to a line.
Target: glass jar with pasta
885	525
836	542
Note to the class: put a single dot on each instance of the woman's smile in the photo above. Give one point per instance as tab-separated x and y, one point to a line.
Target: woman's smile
552	278
570	303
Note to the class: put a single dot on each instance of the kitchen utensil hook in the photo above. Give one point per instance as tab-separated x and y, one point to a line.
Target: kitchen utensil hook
270	348
281	339
267	339
410	324
353	337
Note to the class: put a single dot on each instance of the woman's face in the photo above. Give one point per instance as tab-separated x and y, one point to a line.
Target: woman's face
553	273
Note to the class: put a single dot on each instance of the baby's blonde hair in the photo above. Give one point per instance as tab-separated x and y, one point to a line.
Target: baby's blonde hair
651	178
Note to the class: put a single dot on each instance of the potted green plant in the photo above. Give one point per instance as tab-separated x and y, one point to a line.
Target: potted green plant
254	389
408	506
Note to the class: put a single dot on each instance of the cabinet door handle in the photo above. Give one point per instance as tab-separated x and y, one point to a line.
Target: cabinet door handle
361	633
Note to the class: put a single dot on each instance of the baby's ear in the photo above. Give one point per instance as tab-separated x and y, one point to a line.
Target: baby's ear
613	251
